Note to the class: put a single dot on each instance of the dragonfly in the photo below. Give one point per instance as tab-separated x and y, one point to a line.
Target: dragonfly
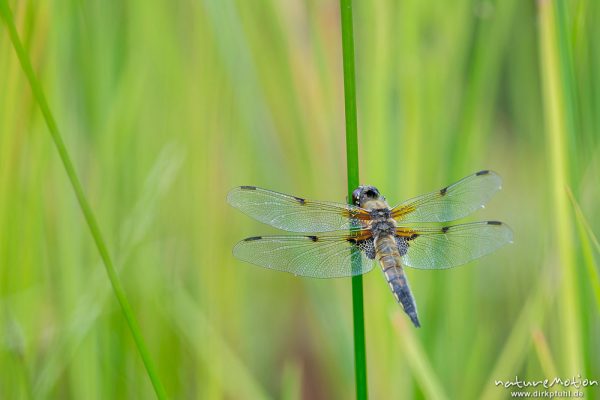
343	240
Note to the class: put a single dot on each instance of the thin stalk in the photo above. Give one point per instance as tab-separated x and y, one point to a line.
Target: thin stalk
544	353
417	359
40	98
565	59
558	133
586	239
360	354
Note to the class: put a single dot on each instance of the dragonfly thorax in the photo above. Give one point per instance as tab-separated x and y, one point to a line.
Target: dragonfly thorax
383	228
378	214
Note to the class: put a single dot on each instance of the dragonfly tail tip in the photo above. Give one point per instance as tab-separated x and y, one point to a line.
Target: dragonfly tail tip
415	320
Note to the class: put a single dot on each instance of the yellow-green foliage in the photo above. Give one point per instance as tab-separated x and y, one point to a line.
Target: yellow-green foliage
166	105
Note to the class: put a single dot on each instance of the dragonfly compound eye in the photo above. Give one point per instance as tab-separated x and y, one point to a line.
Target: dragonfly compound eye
356	196
372	193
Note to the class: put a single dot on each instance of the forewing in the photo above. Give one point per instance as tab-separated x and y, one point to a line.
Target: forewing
295	214
330	256
452	202
440	248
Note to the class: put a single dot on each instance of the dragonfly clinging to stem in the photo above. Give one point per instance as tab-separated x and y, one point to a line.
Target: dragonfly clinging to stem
343	240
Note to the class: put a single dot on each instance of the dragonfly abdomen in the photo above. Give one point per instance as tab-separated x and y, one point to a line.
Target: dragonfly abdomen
389	258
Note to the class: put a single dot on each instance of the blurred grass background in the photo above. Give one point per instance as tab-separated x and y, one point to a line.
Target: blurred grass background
167	105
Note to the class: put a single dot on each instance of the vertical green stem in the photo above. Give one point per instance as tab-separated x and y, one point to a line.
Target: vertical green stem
40	98
360	356
555	97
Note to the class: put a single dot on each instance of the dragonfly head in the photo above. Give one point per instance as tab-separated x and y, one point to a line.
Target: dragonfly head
364	193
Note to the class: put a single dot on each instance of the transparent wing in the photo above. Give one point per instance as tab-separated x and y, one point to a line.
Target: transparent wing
332	256
440	248
452	202
295	214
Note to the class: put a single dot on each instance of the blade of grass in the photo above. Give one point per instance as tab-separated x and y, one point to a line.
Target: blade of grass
586	235
585	224
238	61
558	131
360	356
571	109
518	343
13	343
197	329
133	232
543	353
417	358
40	98
291	385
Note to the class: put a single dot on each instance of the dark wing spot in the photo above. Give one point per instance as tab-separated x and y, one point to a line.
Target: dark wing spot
252	238
248	187
494	223
484	172
413	236
445	229
300	200
402	244
313	238
443	191
350	240
368	246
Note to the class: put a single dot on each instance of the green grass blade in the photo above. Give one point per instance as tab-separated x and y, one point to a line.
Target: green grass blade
134	230
40	98
518	343
360	356
559	131
417	358
568	87
543	352
586	235
197	330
